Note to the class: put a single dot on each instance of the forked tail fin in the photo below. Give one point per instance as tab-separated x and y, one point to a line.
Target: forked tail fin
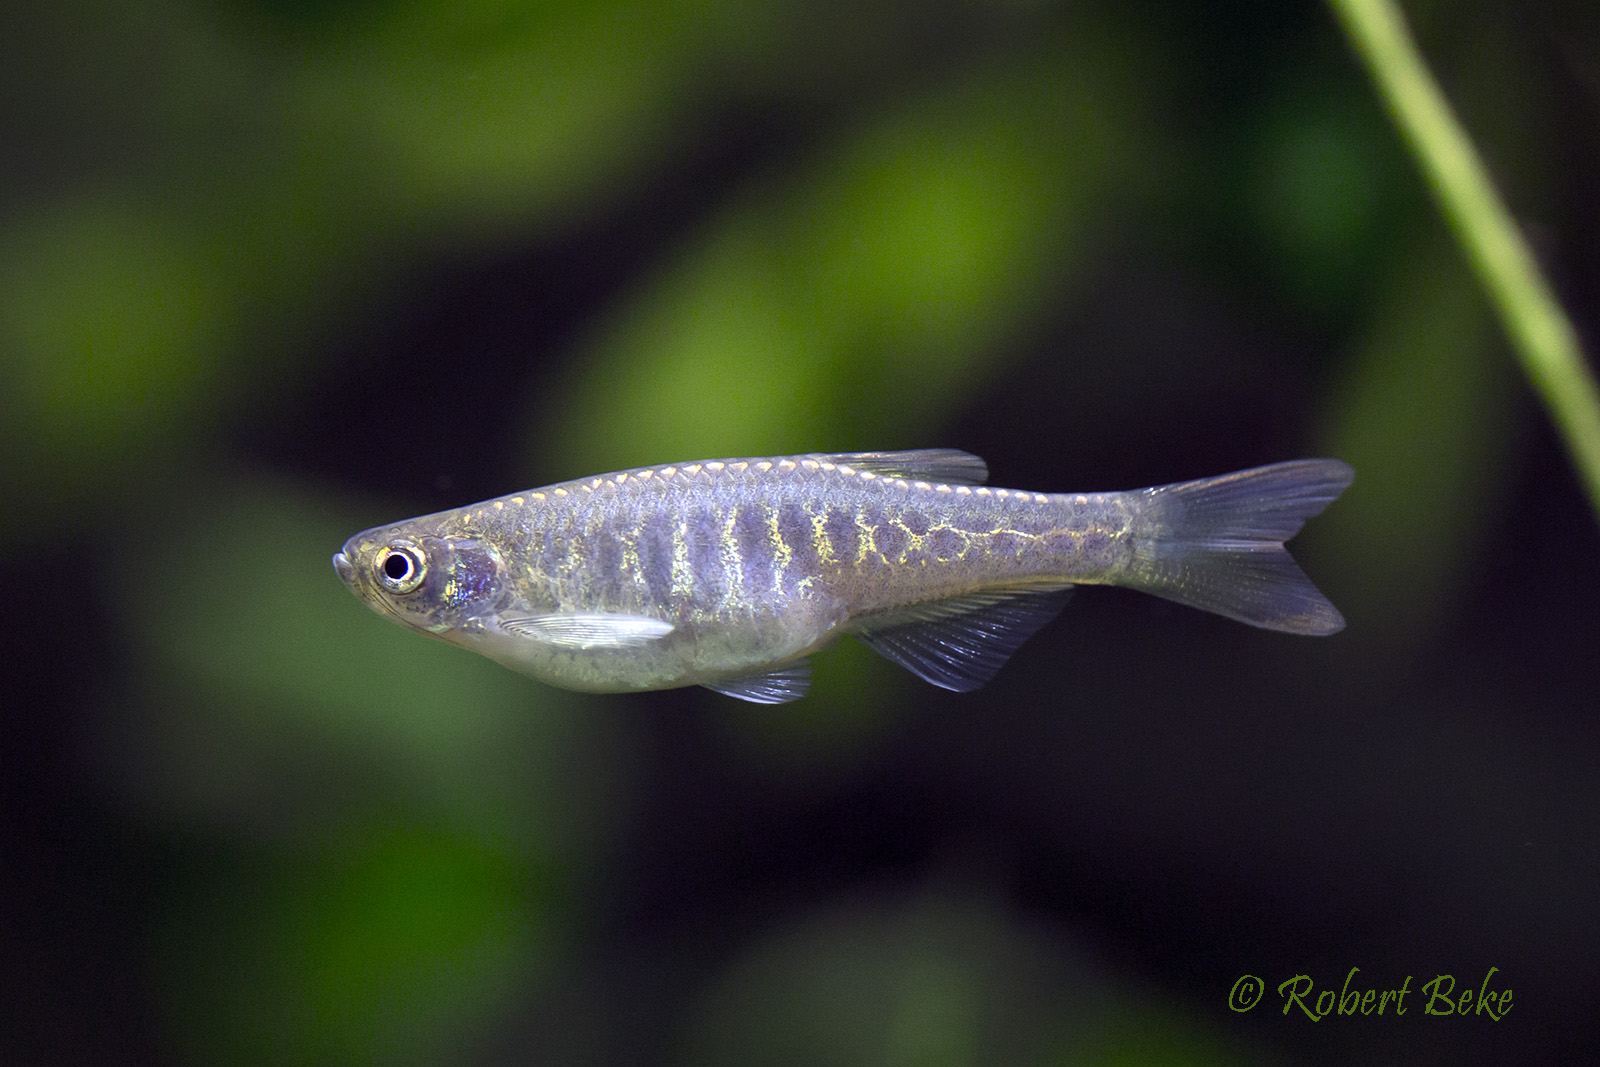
1217	544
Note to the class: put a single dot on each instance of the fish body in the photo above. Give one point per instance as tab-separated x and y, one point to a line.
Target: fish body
729	573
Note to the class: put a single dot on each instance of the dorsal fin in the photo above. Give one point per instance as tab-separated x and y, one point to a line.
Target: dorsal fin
948	465
960	643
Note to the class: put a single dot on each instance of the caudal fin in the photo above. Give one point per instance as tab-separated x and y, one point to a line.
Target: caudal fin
1217	544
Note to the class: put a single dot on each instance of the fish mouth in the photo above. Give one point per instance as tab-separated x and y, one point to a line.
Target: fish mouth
351	576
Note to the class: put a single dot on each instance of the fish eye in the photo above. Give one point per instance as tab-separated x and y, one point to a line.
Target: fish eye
400	568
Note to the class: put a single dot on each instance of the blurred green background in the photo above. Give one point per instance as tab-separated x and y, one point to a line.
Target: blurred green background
273	271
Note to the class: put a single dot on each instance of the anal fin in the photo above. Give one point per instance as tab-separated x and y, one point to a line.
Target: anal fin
960	643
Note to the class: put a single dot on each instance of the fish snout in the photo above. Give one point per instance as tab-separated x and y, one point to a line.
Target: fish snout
346	569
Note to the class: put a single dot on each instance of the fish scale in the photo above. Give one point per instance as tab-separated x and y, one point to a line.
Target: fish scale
869	542
729	573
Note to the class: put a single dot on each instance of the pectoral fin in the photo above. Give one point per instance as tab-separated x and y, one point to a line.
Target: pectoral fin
774	687
577	631
961	642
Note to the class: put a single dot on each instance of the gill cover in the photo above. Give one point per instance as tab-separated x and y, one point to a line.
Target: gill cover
438	582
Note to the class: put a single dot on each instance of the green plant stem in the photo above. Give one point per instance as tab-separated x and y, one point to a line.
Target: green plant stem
1540	331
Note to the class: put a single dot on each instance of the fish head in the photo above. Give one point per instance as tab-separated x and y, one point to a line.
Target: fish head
426	581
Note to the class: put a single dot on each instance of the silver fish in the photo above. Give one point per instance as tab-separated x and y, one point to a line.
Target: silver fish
729	573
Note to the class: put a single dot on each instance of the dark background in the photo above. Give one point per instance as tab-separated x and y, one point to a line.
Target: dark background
274	272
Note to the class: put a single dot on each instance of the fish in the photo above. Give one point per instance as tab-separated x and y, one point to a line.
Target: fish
730	573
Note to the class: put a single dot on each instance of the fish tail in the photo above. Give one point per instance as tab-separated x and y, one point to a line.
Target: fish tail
1217	544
